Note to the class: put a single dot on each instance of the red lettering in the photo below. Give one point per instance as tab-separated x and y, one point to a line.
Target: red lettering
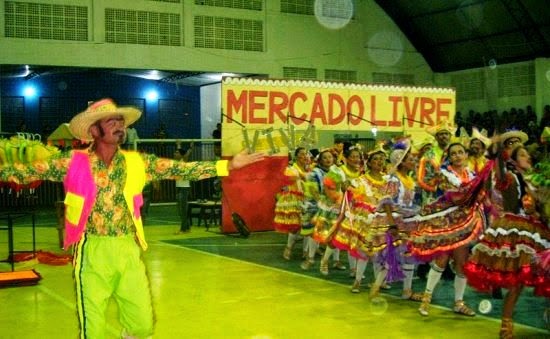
440	113
256	106
318	110
394	122
292	107
336	101
427	108
410	112
236	106
278	101
373	113
355	116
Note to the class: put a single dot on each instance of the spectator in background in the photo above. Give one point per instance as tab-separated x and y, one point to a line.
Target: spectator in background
512	119
183	188
470	121
459	121
161	134
521	122
545	120
488	122
217	134
478	122
46	131
22	127
339	146
131	137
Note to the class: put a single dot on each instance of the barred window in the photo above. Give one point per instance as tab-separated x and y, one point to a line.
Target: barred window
304	7
142	27
469	86
29	20
299	73
255	5
516	80
339	75
229	33
392	78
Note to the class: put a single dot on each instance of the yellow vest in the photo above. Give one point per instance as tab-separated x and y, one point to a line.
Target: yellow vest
80	197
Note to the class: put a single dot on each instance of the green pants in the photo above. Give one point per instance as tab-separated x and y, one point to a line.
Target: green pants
106	267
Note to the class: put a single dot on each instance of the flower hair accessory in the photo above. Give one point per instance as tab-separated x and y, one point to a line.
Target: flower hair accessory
400	150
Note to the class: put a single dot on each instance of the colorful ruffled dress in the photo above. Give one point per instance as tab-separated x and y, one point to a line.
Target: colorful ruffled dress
510	251
455	219
363	230
289	201
405	207
330	204
313	188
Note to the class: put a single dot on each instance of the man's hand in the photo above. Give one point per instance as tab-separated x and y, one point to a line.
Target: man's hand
243	159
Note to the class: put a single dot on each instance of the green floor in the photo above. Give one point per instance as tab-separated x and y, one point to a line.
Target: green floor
266	249
208	285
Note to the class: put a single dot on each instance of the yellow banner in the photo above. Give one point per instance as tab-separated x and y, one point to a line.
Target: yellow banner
277	115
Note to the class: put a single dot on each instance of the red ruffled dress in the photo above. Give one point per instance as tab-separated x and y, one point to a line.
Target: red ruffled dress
453	220
510	251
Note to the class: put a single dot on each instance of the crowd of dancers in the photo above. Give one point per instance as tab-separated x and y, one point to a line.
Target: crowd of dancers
467	202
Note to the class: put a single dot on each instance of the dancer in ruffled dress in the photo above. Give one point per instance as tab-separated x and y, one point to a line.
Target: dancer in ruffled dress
288	208
517	236
313	190
366	215
327	219
445	228
404	163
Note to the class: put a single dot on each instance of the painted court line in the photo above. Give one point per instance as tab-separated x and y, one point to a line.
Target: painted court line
389	296
49	292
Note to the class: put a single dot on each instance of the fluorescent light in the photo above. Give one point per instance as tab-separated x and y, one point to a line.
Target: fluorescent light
152	95
29	91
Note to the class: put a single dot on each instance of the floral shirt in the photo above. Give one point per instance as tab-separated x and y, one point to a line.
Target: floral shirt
110	214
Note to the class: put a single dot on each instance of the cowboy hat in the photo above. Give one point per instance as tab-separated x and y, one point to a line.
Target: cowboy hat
443	126
80	123
428	140
513	133
481	136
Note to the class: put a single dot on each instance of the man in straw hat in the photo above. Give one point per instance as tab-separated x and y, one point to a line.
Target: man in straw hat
423	146
510	139
478	144
103	186
428	168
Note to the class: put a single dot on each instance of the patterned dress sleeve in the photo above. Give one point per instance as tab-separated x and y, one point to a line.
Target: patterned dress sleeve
162	168
52	169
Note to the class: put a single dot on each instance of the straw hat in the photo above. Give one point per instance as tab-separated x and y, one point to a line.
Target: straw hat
443	125
481	136
379	148
513	133
80	123
428	140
